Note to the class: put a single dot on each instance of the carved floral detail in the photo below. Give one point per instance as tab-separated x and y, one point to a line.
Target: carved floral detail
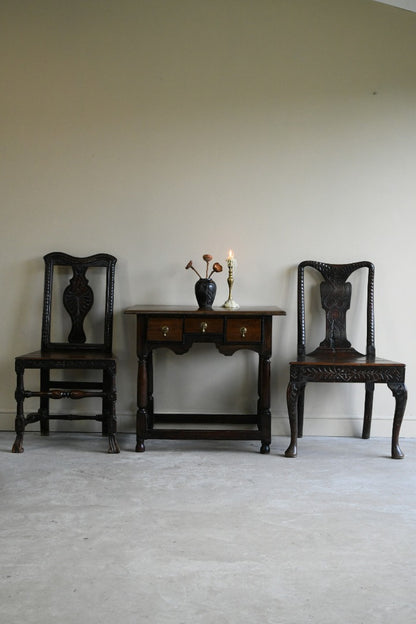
382	374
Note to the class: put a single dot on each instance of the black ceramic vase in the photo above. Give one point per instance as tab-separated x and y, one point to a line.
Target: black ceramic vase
205	291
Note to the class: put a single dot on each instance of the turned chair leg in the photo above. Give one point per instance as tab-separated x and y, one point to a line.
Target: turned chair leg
106	407
109	410
44	403
20	417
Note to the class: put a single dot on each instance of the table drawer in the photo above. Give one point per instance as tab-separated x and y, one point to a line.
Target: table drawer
201	325
165	329
243	330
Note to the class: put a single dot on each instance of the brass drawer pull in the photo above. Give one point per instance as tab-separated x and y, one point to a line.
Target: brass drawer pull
165	329
204	327
243	332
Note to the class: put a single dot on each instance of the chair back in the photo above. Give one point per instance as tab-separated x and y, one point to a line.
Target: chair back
335	293
69	299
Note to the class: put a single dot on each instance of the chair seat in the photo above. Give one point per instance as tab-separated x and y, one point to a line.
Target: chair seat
359	370
51	357
345	367
341	360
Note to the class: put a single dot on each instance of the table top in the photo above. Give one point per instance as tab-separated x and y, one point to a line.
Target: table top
192	310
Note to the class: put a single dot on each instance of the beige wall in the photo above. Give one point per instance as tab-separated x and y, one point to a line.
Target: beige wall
161	130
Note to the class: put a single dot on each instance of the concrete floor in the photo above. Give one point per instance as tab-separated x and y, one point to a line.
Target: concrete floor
207	532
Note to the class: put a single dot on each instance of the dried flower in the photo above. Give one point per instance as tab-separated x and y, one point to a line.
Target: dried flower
207	258
216	267
191	266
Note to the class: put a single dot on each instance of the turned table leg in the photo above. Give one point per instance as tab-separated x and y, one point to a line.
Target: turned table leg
263	405
142	399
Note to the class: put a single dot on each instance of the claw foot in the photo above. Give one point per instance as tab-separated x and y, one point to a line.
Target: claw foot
113	446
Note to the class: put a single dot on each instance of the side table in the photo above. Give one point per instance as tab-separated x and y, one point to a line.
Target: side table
178	328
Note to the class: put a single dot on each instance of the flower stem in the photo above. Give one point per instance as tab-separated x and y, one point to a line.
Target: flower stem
193	269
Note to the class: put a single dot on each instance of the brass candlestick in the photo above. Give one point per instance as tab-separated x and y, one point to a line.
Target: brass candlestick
230	303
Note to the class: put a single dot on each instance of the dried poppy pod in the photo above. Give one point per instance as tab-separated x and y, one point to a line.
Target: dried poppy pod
216	268
207	258
191	266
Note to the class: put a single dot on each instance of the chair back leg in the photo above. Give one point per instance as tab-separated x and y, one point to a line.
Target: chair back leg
301	406
368	409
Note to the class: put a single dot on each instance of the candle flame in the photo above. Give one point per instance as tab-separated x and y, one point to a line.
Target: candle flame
230	255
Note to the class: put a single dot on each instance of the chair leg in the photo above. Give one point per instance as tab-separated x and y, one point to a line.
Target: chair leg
293	393
20	417
368	409
106	406
44	403
301	404
400	394
109	409
104	422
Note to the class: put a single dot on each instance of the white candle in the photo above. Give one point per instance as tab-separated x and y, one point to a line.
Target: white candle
231	261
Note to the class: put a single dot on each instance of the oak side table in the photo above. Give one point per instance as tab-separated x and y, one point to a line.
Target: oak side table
178	328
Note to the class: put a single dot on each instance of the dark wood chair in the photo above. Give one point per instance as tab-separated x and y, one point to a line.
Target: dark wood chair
75	353
335	360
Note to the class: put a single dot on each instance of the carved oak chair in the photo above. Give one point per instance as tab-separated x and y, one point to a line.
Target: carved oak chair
75	353
335	360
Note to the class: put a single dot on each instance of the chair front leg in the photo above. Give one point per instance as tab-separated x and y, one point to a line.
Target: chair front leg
400	394
294	391
109	408
20	417
106	405
44	402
